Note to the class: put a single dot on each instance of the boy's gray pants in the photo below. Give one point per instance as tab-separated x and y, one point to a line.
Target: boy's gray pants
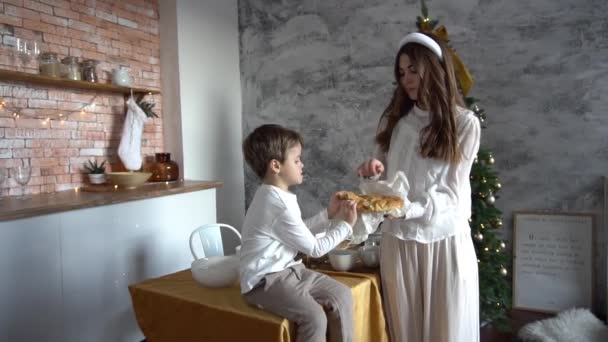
300	295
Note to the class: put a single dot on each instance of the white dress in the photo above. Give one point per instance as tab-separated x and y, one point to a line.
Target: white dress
428	262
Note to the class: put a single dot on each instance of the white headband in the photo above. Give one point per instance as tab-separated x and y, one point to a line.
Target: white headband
424	40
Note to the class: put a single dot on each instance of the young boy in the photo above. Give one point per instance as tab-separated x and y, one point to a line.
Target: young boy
273	232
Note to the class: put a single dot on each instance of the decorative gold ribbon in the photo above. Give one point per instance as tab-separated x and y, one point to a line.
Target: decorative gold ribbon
465	80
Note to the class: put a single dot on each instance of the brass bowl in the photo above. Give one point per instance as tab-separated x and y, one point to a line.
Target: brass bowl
128	180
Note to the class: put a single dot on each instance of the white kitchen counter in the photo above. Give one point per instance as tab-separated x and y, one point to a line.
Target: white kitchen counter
65	265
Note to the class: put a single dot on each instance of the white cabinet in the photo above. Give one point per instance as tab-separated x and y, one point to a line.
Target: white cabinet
30	279
64	276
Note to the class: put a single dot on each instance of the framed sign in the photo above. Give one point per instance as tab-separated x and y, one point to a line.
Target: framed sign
552	261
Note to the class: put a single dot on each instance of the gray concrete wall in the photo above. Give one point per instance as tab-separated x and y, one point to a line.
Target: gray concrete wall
324	68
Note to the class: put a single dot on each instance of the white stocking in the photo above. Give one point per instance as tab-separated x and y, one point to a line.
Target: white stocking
129	149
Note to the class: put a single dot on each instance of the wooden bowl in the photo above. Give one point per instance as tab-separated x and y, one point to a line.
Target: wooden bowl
128	180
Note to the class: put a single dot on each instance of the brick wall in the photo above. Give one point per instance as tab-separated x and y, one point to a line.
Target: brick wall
121	32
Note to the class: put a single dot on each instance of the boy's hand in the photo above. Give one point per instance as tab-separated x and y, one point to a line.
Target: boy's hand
370	168
348	212
334	206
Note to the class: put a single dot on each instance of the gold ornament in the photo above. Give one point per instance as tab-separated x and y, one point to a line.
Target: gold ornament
479	237
426	24
482	226
498	186
503	271
486	249
503	245
483	180
498	223
491	199
491	160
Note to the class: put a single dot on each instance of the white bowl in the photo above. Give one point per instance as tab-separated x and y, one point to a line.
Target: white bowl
370	255
342	259
217	271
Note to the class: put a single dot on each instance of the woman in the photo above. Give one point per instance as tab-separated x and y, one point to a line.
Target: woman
428	262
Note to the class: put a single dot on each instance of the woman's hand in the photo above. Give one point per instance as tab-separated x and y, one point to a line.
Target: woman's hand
370	168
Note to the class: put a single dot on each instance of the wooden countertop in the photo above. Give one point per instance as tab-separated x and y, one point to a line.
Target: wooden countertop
12	208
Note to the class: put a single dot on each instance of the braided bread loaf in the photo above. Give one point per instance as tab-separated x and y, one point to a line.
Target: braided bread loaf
372	203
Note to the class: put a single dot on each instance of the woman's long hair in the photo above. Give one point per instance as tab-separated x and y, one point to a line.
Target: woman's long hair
438	93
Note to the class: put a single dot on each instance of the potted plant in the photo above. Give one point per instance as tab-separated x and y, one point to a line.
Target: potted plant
96	171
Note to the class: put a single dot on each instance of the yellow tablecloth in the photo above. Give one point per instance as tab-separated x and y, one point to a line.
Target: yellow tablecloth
175	308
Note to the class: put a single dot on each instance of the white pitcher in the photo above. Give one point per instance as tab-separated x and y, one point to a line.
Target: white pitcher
121	77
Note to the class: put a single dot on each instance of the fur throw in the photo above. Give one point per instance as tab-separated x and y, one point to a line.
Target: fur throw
574	325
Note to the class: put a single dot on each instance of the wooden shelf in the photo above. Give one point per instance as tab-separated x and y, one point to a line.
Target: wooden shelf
8	75
14	208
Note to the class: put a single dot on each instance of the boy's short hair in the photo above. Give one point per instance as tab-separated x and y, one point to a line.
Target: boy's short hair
268	142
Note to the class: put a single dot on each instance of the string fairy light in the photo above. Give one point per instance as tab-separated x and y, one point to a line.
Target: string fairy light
61	116
46	119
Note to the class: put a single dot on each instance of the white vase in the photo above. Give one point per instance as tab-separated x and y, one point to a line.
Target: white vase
97	178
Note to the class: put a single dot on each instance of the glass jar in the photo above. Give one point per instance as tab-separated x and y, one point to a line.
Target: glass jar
89	70
70	68
49	64
163	169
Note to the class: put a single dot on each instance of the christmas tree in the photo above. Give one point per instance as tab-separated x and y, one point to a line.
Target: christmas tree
492	257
